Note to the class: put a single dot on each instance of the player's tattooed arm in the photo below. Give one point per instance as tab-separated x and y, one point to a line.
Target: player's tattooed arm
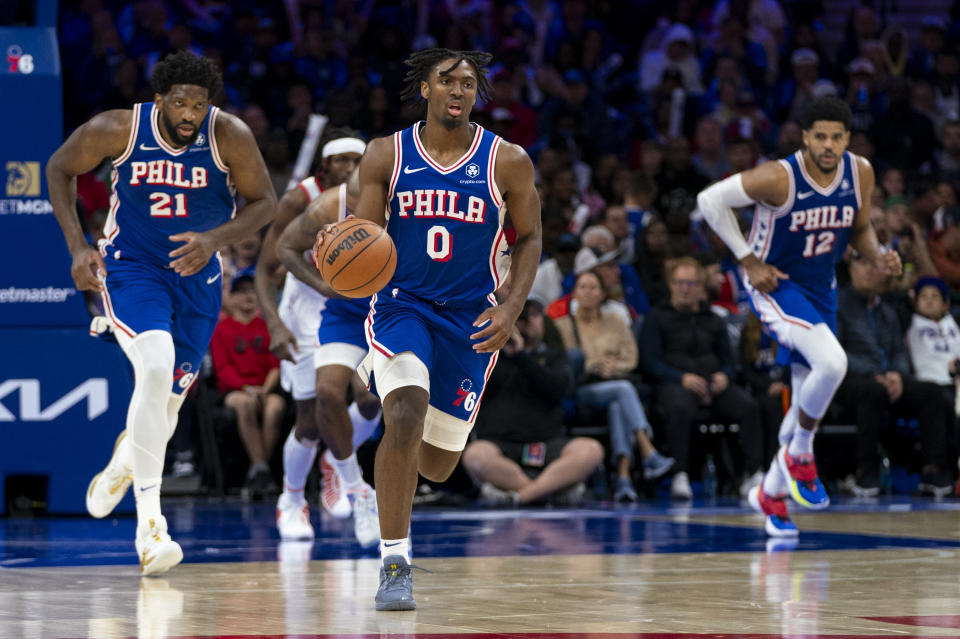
282	341
105	135
299	237
863	237
515	180
239	151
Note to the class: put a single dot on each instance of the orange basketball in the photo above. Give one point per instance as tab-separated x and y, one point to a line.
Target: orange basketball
357	258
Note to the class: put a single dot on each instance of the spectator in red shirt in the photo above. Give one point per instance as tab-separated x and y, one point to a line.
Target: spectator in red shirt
248	375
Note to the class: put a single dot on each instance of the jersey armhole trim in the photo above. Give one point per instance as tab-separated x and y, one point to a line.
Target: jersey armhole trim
855	176
397	160
492	171
132	141
791	192
214	150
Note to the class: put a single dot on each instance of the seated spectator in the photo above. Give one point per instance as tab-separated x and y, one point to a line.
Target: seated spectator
621	280
766	381
687	355
589	259
878	384
248	375
609	354
522	453
548	283
933	340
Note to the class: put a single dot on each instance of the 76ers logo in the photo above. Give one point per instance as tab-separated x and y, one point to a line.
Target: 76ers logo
473	170
18	61
184	375
465	396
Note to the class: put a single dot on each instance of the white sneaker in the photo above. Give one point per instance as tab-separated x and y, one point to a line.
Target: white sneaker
293	519
680	487
157	552
333	497
366	518
108	487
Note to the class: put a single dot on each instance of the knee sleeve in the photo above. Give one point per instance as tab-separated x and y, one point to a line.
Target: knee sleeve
828	366
445	431
391	373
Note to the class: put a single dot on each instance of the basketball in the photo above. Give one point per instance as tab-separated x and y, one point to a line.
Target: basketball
357	258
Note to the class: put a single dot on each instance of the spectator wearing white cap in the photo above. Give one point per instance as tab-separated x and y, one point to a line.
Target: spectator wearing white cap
678	51
861	94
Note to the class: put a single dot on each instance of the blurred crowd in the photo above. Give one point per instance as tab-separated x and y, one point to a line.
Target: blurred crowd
628	110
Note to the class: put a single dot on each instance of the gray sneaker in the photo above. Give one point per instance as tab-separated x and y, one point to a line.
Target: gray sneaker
656	465
396	584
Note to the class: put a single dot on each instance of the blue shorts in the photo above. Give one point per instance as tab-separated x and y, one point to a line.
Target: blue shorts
341	322
439	335
791	303
142	297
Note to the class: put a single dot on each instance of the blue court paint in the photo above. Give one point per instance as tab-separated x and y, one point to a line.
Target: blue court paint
236	532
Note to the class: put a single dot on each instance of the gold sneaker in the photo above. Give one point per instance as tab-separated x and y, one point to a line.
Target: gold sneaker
108	487
157	552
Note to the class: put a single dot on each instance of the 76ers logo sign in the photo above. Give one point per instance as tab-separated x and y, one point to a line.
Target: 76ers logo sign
472	170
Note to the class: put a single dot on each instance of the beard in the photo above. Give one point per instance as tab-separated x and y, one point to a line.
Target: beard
178	139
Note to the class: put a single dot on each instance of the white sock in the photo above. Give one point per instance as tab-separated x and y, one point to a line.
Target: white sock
802	442
349	471
362	427
395	547
297	460
774	483
147	494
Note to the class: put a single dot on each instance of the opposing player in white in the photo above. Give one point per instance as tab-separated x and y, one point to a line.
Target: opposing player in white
293	336
341	348
808	207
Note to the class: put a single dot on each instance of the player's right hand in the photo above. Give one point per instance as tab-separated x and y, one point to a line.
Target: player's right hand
321	236
763	277
88	270
283	343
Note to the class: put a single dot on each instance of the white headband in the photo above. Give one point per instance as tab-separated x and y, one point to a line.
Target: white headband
343	145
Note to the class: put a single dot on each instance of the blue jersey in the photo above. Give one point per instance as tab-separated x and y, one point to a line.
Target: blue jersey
446	221
159	191
807	236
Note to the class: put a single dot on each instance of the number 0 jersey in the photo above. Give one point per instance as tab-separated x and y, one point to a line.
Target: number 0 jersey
159	191
447	222
806	237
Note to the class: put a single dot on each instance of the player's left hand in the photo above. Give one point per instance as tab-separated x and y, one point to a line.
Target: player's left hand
889	263
192	256
498	326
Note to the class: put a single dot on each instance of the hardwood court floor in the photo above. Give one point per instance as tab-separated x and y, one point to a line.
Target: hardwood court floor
887	568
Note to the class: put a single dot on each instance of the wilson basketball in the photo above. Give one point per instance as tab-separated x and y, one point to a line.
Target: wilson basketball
357	258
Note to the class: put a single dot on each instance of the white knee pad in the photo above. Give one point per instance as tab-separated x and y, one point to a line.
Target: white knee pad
445	431
153	356
391	373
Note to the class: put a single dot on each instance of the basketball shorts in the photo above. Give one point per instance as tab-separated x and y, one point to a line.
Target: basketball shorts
439	335
532	457
300	309
340	334
142	297
790	307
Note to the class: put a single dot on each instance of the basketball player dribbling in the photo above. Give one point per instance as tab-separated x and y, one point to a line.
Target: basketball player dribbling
177	163
809	206
441	188
293	336
341	346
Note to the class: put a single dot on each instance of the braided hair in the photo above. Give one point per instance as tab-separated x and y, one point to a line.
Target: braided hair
183	67
421	62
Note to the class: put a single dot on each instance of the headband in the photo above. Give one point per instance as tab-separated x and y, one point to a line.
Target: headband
343	145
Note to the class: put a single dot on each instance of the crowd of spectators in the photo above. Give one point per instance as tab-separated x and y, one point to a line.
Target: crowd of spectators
628	110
